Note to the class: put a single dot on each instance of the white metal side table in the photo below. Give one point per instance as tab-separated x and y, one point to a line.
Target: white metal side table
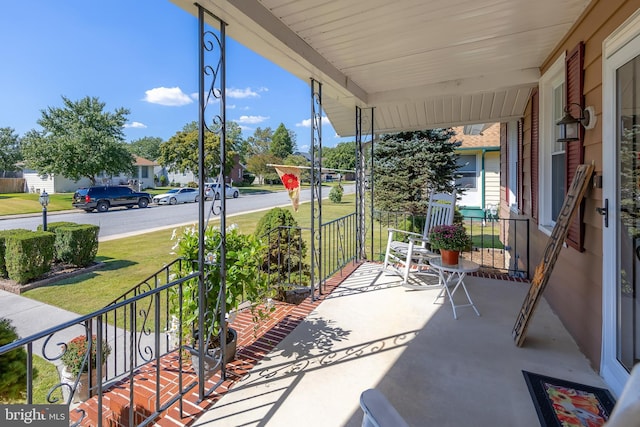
450	273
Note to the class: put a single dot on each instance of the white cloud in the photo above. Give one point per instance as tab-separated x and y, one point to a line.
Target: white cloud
304	148
306	123
242	93
169	96
251	120
135	125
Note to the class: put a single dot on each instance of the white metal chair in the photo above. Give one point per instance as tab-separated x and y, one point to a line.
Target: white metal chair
413	256
378	411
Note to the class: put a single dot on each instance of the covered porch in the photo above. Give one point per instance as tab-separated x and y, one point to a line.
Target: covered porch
370	332
367	331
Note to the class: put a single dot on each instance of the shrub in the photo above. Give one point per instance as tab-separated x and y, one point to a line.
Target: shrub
248	179
76	244
28	255
3	236
52	226
283	258
335	195
13	365
243	279
163	180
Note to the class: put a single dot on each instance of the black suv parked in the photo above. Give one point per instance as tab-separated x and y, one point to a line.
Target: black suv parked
102	198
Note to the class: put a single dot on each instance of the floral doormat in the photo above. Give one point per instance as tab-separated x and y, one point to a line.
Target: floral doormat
567	404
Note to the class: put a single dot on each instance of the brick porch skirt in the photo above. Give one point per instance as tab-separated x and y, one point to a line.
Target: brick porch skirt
252	346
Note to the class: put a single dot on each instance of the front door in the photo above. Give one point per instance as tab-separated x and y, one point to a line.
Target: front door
621	195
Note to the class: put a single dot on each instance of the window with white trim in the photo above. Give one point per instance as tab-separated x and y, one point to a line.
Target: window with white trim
552	171
512	169
468	172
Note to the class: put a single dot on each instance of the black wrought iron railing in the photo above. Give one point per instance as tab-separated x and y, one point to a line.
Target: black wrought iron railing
136	329
288	261
500	245
107	347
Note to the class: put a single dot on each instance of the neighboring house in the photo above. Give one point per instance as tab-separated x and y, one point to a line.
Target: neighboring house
141	178
479	160
181	179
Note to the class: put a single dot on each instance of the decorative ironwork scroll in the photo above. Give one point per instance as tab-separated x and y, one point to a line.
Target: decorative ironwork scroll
364	181
212	83
316	187
543	271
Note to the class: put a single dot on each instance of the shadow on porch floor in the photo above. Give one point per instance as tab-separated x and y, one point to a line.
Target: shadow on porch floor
315	360
437	371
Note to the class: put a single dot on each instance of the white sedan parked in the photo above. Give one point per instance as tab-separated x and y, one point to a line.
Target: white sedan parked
211	189
177	195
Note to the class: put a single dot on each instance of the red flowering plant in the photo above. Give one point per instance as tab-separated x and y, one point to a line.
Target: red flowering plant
450	237
76	351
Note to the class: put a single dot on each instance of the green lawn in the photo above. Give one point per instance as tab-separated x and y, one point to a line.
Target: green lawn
131	260
22	203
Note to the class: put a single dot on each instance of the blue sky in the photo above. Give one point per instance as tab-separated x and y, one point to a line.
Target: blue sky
140	55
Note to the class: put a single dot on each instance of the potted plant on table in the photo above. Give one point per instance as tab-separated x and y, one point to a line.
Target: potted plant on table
78	354
245	286
450	240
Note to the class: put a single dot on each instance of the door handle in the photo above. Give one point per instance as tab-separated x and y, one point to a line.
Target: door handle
604	211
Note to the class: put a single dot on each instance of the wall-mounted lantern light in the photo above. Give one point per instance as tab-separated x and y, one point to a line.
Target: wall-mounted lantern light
569	125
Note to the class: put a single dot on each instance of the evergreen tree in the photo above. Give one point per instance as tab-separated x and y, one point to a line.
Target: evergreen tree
408	165
282	144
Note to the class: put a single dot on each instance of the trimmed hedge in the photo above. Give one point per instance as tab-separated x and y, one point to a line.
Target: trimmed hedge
52	226
76	244
28	255
4	234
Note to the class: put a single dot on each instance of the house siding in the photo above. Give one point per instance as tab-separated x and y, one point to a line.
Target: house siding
492	178
574	290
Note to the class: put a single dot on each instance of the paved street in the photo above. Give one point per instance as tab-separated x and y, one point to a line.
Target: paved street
118	222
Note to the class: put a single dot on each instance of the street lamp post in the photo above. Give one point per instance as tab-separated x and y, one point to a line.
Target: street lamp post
44	201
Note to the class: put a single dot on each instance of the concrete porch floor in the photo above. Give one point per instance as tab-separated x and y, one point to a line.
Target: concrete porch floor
436	370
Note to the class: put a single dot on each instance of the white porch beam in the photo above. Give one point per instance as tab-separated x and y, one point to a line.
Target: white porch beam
485	83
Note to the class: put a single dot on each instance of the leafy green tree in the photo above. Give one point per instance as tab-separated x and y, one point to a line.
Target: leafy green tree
299	160
257	165
79	140
9	149
180	152
147	147
259	142
235	141
281	143
342	156
408	165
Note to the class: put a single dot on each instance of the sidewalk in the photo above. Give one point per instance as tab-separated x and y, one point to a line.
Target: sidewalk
29	317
